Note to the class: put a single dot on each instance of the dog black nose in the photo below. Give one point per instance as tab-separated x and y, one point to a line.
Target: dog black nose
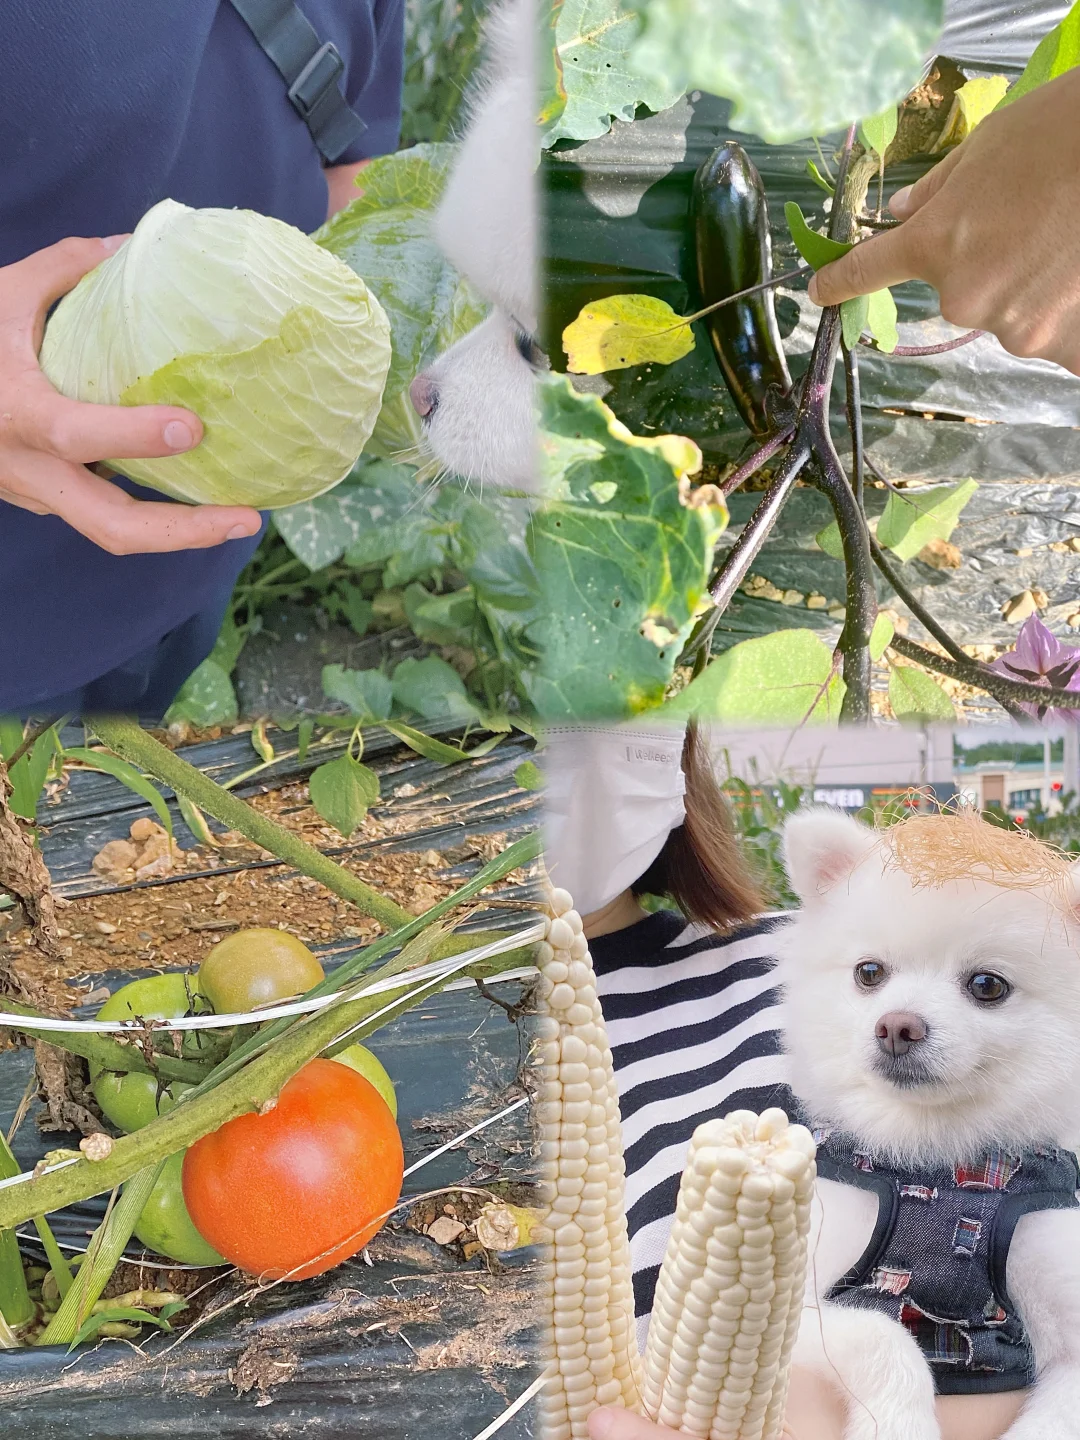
898	1031
424	394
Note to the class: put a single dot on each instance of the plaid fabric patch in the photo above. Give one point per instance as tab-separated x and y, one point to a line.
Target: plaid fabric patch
994	1314
919	1192
862	1160
966	1237
993	1174
891	1282
941	1342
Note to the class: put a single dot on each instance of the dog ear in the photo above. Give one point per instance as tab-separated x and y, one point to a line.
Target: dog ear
821	848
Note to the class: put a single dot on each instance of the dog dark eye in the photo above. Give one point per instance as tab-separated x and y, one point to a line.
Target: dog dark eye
988	989
530	351
869	974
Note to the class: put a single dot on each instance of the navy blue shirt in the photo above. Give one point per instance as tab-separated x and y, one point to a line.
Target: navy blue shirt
107	107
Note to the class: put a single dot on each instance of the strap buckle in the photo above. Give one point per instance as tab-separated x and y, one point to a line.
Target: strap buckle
319	75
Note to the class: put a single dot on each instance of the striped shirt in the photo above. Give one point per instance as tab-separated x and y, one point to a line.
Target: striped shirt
694	1030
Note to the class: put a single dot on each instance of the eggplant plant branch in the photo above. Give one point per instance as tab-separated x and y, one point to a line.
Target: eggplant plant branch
800	440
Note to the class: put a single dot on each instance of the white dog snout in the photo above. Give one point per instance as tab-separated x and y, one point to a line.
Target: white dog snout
900	1031
424	394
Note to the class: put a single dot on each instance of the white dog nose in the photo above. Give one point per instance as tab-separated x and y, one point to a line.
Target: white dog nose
899	1031
424	395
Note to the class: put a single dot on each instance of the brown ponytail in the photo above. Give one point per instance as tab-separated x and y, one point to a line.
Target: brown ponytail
701	866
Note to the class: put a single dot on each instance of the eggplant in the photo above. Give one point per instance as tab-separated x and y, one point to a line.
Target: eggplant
733	252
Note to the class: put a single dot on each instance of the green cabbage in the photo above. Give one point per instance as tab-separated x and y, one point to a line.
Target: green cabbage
279	348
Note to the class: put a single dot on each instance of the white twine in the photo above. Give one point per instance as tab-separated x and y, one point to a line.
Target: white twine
435	969
511	1410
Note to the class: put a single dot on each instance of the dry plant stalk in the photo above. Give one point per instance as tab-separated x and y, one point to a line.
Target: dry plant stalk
958	844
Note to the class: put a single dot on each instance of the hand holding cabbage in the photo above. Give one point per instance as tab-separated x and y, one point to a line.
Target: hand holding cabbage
47	441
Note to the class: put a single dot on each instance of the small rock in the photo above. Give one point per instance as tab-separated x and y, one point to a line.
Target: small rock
1074	543
1019	607
142	830
816	602
1073	621
160	865
837	612
445	1231
432	859
1022	554
941	555
424	896
116	860
105	927
791	597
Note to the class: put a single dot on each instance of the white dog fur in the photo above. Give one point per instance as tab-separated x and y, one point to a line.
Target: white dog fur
1007	1075
477	400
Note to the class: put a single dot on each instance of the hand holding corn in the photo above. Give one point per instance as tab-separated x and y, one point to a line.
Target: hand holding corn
730	1290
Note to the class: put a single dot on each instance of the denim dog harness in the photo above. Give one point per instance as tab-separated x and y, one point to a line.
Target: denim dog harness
936	1260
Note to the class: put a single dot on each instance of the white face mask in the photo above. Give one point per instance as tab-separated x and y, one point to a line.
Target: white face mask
612	796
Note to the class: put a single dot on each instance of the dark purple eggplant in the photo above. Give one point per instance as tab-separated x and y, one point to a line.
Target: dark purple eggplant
734	252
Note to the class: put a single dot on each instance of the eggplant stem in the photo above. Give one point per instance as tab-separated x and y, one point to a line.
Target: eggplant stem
796	274
942	349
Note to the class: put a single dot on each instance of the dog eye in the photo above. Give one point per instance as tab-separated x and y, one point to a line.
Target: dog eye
530	351
988	989
869	974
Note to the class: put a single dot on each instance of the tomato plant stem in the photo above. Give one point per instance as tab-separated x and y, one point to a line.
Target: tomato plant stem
109	1054
16	1307
127	739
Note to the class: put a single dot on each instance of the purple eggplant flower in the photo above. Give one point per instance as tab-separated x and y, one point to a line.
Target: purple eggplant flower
1040	658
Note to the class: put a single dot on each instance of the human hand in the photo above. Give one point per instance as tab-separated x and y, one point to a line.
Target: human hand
612	1423
995	228
47	441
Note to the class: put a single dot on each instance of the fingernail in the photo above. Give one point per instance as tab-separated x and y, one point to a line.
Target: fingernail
238	532
601	1424
900	200
113	242
178	436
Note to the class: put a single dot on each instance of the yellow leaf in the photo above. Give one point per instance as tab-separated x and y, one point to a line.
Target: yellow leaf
971	104
625	330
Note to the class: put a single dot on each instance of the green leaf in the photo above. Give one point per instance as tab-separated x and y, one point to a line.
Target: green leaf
229	643
594	38
367	693
131	1313
448	619
624	330
370	514
793	69
433	690
1056	52
881	636
341	791
854	317
623	562
881	320
552	88
386	236
817	250
527	776
195	820
781	679
877	132
916	698
29	773
260	742
206	698
126	774
438	750
304	732
912	519
829	540
818	178
357	608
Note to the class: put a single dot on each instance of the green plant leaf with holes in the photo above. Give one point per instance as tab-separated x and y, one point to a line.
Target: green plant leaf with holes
916	698
912	519
793	69
623	560
342	791
593	42
787	678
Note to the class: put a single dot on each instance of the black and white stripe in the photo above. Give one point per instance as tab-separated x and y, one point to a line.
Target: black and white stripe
693	1023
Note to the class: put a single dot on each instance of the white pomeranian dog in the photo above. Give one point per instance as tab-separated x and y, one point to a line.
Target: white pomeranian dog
476	401
932	1020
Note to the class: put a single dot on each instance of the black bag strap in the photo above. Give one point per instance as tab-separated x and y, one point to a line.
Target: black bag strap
310	69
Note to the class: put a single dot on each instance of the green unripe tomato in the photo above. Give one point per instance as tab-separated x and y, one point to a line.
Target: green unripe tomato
165	1225
257	967
131	1101
365	1063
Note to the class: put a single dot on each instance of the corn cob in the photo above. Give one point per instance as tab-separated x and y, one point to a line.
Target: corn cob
729	1294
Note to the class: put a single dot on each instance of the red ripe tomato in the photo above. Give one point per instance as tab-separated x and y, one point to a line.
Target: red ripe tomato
299	1189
